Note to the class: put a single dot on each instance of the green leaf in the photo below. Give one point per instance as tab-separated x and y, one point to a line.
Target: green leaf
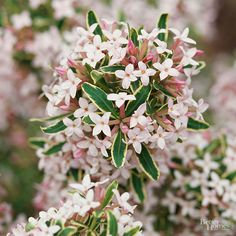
147	164
137	184
112	69
56	128
201	65
134	37
99	80
36	142
112	226
87	120
99	98
141	95
47	119
231	176
119	149
68	231
54	149
158	86
96	76
92	19
163	24
132	231
29	227
197	124
109	194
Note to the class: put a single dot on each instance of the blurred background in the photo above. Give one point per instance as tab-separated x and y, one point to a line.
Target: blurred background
34	35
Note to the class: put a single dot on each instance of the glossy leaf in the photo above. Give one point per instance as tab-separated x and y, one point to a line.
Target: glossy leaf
137	184
197	124
141	95
68	231
109	194
163	24
92	19
54	149
112	226
37	142
119	149
53	118
99	99
158	86
112	69
56	128
147	164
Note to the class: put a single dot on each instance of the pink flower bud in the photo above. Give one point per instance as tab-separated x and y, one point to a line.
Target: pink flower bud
132	50
71	63
78	153
124	128
199	53
61	71
133	60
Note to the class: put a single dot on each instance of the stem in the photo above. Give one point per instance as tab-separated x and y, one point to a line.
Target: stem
122	111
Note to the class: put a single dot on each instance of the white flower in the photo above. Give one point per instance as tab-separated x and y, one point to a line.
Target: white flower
162	47
126	75
198	179
137	137
138	117
86	184
101	123
89	143
188	55
188	207
22	20
85	108
182	36
218	184
201	107
207	164
123	201
144	73
97	46
72	83
209	197
93	57
230	193
73	127
84	204
150	36
48	230
159	137
166	69
115	37
120	98
179	113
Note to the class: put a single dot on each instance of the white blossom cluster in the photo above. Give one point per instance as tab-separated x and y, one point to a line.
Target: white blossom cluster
87	200
16	85
200	185
223	94
171	68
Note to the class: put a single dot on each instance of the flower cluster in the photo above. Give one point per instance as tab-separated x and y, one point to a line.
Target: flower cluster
122	89
89	209
223	94
200	185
